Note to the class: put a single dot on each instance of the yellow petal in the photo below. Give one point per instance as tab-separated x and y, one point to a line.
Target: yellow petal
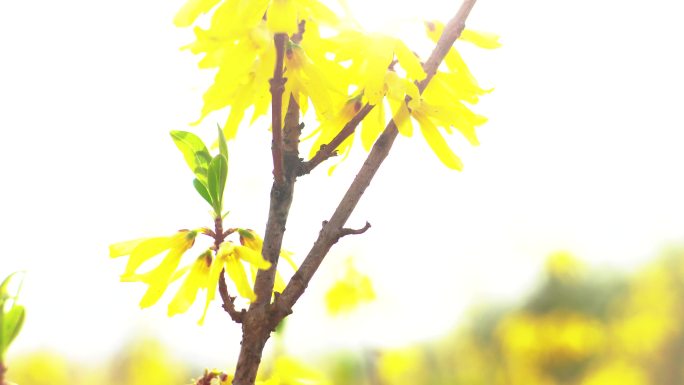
187	293
379	55
235	18
124	248
408	61
159	279
253	257
217	267
318	12
282	16
434	30
485	40
237	274
191	10
456	115
437	143
401	117
146	250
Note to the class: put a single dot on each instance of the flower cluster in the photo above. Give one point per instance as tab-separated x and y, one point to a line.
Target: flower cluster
337	74
207	269
201	274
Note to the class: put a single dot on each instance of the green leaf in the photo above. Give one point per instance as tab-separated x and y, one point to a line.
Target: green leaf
223	146
216	181
194	151
202	190
12	321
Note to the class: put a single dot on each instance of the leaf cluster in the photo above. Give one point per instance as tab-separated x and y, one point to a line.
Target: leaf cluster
211	173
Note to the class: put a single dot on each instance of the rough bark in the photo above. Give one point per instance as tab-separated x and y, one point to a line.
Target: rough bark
257	322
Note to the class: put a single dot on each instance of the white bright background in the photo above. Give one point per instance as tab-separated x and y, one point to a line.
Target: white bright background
582	153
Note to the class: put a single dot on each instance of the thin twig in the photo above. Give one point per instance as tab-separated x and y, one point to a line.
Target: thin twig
229	301
331	230
330	149
277	89
346	231
299	35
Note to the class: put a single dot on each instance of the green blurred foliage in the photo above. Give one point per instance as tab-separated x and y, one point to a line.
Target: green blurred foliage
579	327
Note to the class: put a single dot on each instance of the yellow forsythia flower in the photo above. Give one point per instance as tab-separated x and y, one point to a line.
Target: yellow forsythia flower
441	106
305	81
348	293
485	40
202	274
288	370
141	250
230	257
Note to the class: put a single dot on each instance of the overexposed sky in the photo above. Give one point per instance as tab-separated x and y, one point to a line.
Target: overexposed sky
582	153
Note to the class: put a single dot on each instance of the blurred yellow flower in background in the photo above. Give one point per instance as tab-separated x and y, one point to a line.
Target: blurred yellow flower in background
288	370
352	290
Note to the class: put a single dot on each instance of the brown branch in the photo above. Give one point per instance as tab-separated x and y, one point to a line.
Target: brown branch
329	234
292	131
328	150
277	89
257	323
